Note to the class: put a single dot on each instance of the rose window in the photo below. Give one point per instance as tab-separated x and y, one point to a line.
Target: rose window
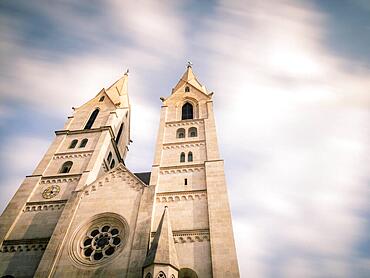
101	242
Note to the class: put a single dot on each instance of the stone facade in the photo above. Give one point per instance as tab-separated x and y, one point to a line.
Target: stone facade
82	213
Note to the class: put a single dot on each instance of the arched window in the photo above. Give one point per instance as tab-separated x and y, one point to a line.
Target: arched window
186	182
119	133
187	111
187	273
187	89
101	98
190	157
73	144
66	167
112	164
182	157
161	275
109	157
180	133
193	132
91	121
83	143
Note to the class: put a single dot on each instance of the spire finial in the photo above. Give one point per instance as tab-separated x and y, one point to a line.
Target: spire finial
127	71
189	64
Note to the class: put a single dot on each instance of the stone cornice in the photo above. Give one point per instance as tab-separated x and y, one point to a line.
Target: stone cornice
72	155
189	236
19	245
187	144
44	205
60	178
181	196
81	131
181	169
186	122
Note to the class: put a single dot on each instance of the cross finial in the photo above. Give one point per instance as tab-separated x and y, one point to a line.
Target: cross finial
189	64
127	71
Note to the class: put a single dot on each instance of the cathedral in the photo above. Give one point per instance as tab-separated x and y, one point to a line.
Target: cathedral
83	213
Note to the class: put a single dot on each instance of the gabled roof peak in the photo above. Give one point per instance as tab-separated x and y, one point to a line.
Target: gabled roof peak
118	91
190	78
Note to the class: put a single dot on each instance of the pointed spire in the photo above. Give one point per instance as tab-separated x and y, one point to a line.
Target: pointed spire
118	92
190	78
162	250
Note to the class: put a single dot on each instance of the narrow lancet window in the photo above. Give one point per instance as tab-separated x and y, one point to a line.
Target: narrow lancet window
190	157
91	121
182	157
101	98
187	111
83	143
119	133
109	157
112	164
73	144
66	167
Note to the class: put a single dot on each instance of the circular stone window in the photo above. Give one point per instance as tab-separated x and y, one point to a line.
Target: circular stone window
99	240
51	191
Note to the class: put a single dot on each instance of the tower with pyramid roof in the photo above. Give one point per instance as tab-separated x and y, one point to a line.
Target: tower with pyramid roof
189	178
83	213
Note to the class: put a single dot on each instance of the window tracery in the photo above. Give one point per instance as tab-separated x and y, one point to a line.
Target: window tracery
161	275
187	111
101	242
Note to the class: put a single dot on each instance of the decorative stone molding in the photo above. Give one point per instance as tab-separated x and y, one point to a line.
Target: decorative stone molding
183	145
44	206
53	180
197	122
72	155
117	173
189	236
98	240
21	245
166	197
105	166
181	169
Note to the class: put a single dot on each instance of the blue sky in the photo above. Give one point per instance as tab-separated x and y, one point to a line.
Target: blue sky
291	82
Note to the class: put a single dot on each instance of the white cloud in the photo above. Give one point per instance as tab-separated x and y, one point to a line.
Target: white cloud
299	134
19	157
295	151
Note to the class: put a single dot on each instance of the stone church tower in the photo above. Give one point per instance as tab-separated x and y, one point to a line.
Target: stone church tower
82	213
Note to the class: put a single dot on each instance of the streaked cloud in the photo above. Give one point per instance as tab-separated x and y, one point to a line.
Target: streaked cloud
291	113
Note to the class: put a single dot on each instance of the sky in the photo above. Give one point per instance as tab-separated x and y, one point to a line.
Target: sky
292	97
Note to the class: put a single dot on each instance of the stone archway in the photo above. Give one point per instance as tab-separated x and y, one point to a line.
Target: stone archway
187	273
